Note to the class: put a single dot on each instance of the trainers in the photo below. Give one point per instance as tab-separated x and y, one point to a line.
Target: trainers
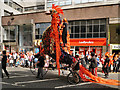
37	77
8	76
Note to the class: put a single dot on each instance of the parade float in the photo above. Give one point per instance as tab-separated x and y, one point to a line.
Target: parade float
53	45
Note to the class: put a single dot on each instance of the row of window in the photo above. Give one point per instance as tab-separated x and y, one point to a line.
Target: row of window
39	7
60	3
13	5
87	28
69	2
79	29
86	1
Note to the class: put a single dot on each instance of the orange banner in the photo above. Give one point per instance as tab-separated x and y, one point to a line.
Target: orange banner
88	42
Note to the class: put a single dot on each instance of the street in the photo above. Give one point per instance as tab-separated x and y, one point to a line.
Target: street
23	78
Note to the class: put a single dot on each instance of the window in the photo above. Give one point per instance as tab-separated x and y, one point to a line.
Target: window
95	35
102	28
76	29
10	3
40	28
77	1
102	34
83	29
6	2
40	7
89	35
29	8
88	28
76	35
9	33
84	1
96	28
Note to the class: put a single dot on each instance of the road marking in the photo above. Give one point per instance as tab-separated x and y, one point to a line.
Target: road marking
73	85
11	84
19	76
18	83
36	81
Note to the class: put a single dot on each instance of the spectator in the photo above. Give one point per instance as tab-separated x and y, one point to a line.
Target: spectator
93	64
118	66
102	61
11	60
15	57
97	60
115	65
82	61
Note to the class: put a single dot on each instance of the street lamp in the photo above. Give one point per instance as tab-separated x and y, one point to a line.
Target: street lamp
9	23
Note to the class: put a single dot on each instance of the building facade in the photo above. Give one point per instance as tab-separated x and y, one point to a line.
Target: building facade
93	25
9	33
7	8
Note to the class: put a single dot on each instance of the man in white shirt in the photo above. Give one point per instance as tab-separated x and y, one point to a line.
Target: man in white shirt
15	57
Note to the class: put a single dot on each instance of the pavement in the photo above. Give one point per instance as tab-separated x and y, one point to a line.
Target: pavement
22	78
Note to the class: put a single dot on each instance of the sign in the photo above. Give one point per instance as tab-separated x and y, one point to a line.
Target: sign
88	42
115	46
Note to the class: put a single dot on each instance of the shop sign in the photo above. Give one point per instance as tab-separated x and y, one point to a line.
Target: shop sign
88	42
115	46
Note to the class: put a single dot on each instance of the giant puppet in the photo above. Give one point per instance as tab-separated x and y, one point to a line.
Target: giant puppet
54	46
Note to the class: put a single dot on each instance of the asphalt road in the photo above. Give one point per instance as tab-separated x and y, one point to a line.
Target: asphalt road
22	78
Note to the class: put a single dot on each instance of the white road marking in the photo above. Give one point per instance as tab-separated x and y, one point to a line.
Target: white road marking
18	83
73	85
36	81
19	76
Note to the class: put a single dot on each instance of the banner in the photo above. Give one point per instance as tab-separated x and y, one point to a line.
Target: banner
88	42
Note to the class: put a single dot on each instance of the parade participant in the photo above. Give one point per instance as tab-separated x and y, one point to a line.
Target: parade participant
106	64
75	64
40	65
64	33
4	60
93	64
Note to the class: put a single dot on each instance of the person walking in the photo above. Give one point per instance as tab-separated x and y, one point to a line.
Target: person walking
106	64
40	64
93	64
4	61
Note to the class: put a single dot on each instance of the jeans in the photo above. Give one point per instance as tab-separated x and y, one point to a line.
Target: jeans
40	72
4	68
115	67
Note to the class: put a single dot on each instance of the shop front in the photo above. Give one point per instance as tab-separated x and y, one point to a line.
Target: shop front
115	48
86	46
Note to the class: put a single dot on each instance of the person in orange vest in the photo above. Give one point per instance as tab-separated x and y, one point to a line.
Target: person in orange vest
106	64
